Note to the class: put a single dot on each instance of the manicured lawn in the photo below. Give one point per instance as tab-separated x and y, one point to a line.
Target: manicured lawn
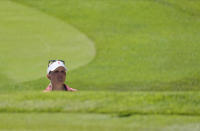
96	122
117	103
140	44
135	63
29	38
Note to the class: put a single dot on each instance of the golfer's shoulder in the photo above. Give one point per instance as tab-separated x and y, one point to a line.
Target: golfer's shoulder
69	88
48	88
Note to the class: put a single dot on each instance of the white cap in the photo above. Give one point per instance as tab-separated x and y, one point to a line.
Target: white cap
55	65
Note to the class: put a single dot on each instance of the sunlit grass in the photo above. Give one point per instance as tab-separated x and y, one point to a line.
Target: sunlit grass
119	103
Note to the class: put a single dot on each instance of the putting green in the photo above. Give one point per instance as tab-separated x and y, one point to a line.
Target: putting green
29	38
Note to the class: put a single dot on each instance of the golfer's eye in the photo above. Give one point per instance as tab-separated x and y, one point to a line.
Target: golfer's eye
63	72
56	71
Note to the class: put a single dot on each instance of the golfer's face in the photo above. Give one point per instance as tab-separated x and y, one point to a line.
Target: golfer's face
58	75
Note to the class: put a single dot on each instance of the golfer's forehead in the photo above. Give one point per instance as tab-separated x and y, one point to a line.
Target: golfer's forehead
60	69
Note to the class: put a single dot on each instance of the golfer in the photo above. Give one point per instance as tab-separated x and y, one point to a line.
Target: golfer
56	73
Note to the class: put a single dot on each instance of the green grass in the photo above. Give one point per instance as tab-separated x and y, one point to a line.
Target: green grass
30	38
96	122
140	44
91	110
117	103
135	63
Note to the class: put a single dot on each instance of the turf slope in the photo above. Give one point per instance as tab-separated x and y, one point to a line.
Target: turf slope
140	44
29	38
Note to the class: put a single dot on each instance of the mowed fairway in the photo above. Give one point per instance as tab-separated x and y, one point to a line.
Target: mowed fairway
140	45
29	38
135	63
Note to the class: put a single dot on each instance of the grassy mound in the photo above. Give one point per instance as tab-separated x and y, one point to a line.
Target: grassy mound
119	103
95	111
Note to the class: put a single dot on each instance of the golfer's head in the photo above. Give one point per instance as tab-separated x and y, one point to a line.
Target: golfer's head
56	71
